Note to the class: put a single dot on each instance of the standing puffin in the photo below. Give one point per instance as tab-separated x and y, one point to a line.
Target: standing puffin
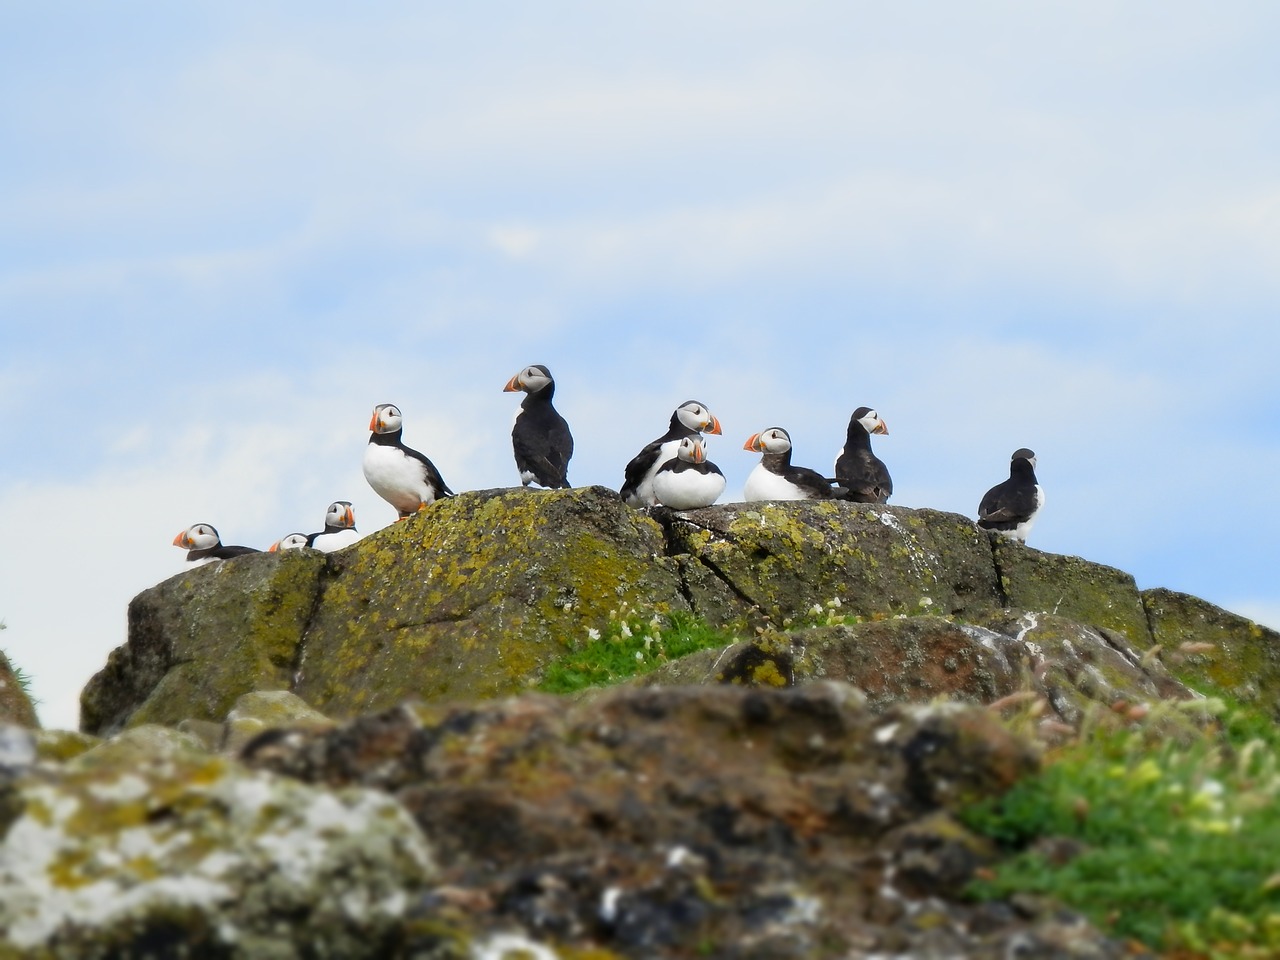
688	480
774	478
203	545
688	420
859	471
540	437
293	541
1010	507
398	474
339	528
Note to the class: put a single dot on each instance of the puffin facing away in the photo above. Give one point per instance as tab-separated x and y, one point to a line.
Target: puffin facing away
688	480
203	545
689	419
859	471
398	474
1010	507
339	528
293	541
540	437
774	478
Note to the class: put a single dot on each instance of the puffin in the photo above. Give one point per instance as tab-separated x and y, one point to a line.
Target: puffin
862	474
400	475
540	436
339	528
203	545
688	480
774	478
1010	507
292	541
689	419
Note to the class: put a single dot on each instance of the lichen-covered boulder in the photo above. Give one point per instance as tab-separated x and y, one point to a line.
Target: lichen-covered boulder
1067	664
1214	649
15	705
669	822
145	847
782	557
202	638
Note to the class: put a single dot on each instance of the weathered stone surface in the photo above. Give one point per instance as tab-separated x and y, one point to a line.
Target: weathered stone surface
1070	587
15	705
64	744
1209	647
265	710
200	639
782	557
143	847
660	822
1066	664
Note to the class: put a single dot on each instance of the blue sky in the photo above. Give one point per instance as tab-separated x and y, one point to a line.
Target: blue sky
227	232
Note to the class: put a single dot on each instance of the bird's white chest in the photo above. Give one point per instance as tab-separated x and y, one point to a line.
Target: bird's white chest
329	542
688	489
764	484
396	478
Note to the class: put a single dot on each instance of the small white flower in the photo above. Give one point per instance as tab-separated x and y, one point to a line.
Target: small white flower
593	633
816	610
926	602
639	655
626	630
834	603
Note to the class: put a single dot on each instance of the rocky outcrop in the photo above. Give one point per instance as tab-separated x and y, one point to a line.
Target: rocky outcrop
477	595
638	823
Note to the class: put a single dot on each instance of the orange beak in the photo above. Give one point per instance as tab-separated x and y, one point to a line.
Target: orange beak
753	443
882	427
699	453
181	540
713	426
374	422
350	517
512	385
274	547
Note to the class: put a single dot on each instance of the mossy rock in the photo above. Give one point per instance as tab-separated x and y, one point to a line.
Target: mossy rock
1215	650
1089	593
783	557
15	705
200	639
473	596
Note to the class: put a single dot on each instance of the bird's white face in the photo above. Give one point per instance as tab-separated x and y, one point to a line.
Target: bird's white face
386	418
697	417
773	440
872	422
293	541
530	380
340	514
200	536
691	450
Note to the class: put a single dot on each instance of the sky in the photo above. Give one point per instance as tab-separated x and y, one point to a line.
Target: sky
228	230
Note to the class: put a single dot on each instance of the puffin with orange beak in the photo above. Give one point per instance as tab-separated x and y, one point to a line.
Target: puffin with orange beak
690	419
203	545
860	472
774	478
540	437
688	480
400	475
292	541
339	528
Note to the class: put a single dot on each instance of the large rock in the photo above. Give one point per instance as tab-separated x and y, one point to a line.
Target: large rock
646	822
146	847
477	595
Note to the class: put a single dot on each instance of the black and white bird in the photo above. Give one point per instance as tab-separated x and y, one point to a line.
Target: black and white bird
689	419
1010	507
400	475
688	480
339	528
774	478
292	541
540	436
203	545
862	474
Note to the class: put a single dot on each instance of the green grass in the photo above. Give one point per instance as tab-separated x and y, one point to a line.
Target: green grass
630	645
1180	828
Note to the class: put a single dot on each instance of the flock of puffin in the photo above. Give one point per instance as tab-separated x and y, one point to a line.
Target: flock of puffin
672	470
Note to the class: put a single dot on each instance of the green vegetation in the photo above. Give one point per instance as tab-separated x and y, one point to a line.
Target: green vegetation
630	645
1175	826
23	678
